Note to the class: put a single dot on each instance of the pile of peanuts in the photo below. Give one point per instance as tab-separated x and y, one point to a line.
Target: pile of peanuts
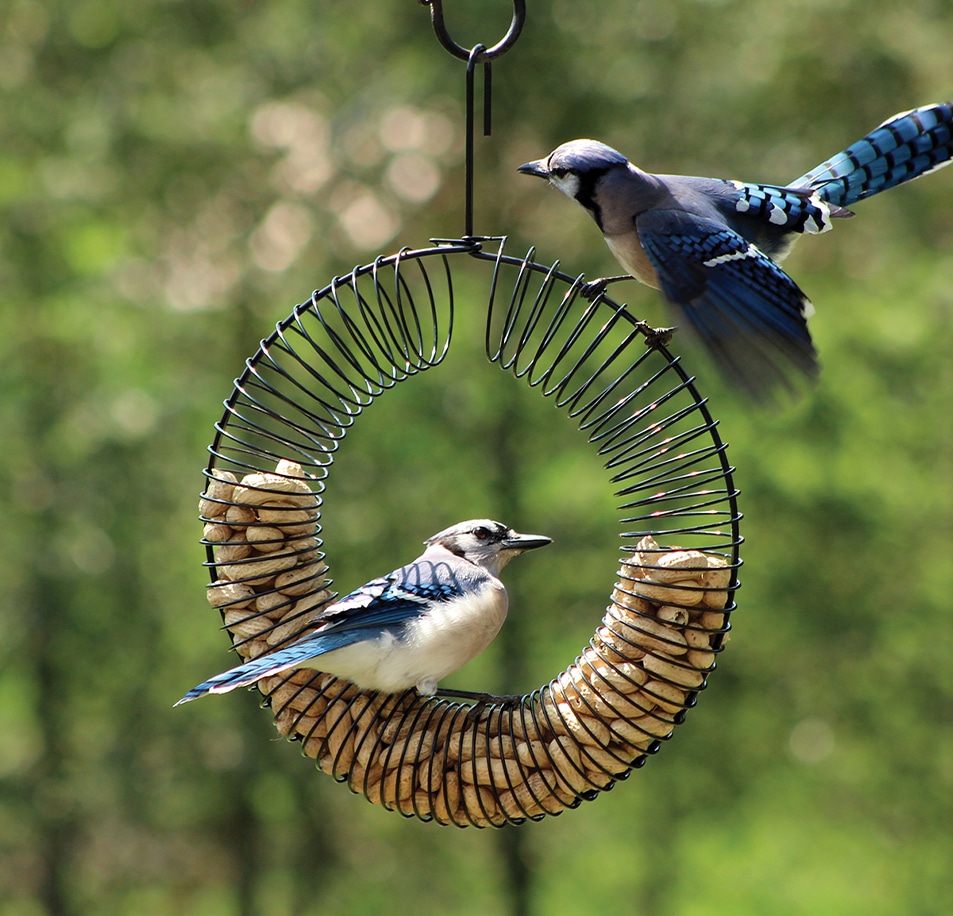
269	575
487	764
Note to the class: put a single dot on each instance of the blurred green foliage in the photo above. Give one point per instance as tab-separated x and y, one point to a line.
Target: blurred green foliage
174	176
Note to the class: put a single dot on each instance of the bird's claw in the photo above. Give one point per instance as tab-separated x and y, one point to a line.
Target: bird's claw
657	337
589	291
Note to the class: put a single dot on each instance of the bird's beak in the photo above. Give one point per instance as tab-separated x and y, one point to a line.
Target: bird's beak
516	541
537	167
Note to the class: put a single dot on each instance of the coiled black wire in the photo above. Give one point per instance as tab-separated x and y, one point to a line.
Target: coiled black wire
495	761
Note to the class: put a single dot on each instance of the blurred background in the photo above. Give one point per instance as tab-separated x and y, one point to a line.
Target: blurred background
175	176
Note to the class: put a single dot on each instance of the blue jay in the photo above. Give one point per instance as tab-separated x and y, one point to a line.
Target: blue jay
409	628
712	246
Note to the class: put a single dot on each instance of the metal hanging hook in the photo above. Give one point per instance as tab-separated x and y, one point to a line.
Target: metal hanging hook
480	55
487	54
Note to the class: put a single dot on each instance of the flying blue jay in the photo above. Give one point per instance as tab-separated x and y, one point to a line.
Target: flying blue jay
712	246
409	628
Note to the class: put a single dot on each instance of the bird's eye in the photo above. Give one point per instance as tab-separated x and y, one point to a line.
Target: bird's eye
559	172
481	533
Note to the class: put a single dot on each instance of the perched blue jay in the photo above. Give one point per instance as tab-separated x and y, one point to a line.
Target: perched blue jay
410	628
712	246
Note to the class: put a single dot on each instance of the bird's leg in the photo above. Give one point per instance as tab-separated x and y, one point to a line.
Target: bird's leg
481	699
427	689
593	288
654	337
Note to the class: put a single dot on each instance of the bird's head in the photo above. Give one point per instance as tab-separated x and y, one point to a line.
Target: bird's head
576	168
486	543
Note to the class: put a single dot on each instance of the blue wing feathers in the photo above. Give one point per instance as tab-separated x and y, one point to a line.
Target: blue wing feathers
746	310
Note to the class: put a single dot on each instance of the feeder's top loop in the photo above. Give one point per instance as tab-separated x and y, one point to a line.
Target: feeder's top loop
488	54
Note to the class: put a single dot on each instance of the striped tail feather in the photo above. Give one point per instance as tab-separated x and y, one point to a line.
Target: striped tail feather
249	673
904	147
244	675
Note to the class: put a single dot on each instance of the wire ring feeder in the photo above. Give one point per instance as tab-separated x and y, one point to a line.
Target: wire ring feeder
509	759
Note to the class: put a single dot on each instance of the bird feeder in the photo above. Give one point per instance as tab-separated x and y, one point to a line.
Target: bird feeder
669	593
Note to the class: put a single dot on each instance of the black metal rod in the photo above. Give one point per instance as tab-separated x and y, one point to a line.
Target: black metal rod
468	188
